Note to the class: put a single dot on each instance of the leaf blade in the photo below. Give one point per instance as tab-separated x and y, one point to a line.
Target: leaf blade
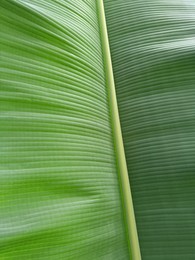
60	196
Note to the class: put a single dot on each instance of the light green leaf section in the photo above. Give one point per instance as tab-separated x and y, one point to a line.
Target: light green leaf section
153	53
59	196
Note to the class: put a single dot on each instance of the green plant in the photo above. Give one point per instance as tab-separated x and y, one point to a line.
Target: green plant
65	192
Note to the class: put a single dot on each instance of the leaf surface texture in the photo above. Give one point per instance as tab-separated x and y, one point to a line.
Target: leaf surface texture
60	196
153	49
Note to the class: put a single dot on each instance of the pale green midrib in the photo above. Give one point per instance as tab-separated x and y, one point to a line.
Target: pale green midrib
133	242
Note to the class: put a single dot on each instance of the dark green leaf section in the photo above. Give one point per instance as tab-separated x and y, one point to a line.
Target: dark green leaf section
153	53
59	196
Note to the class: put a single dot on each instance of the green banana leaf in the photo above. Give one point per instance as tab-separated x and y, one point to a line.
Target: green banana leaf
65	192
60	191
153	53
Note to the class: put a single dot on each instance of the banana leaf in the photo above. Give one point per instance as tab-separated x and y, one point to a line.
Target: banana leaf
65	190
153	56
60	191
